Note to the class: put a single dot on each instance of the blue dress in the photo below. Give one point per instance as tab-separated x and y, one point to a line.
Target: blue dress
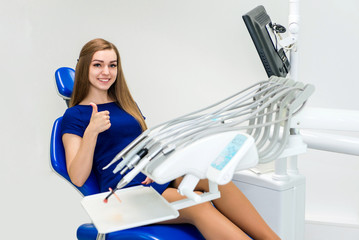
124	129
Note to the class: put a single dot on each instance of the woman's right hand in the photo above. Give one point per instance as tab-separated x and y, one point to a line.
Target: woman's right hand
100	121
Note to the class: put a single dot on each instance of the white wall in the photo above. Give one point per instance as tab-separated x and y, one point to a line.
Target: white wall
177	56
329	60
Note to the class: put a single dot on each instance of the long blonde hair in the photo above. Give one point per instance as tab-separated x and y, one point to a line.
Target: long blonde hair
118	91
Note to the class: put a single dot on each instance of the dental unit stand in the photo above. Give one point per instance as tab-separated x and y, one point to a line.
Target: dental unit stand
279	196
283	191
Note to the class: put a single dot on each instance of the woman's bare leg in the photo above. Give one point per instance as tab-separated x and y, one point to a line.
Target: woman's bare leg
238	209
208	220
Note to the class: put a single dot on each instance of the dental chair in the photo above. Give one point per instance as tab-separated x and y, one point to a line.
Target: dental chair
64	81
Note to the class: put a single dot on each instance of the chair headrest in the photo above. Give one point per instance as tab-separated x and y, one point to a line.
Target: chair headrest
64	78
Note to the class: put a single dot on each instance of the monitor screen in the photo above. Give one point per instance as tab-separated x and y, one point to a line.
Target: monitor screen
260	28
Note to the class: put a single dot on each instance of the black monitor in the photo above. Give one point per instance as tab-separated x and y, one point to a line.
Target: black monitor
264	38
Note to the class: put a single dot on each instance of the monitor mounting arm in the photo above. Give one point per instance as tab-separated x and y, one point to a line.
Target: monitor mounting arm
291	42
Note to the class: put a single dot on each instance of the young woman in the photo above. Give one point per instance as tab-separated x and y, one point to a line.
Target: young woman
103	118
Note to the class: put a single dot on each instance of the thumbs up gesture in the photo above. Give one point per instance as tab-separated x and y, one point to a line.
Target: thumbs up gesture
100	121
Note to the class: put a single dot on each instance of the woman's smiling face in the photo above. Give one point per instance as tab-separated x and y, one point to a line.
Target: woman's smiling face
103	70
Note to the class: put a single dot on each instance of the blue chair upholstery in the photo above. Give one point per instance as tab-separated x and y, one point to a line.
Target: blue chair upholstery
151	232
88	231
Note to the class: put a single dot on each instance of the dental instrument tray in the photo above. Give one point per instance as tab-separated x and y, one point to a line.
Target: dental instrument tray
139	206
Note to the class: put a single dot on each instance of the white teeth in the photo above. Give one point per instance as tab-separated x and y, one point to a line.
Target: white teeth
104	80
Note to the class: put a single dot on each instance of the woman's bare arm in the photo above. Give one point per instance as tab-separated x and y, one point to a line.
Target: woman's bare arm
80	151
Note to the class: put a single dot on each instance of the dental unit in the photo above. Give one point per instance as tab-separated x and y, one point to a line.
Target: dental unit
247	128
192	144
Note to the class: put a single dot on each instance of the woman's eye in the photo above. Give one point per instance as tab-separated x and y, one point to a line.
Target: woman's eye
97	65
113	65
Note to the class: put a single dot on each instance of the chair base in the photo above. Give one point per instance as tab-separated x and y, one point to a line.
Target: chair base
151	232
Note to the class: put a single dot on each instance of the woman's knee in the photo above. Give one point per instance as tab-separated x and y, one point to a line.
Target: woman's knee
197	212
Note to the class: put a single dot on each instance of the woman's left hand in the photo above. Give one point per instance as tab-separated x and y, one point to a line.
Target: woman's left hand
147	181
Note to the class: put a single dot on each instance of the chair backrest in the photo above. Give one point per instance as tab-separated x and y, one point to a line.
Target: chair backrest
64	81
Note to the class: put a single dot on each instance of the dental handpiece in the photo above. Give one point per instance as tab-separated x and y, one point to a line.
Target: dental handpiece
131	159
131	162
128	148
129	176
